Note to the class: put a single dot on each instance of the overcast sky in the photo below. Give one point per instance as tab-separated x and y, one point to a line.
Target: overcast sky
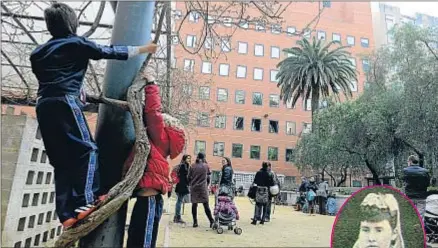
410	8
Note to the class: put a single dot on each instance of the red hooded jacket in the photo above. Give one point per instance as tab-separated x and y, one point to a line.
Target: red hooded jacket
165	139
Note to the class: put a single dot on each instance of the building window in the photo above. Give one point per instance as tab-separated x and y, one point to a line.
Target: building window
40	177
365	65
208	44
256	125
203	120
258	50
49	216
48	177
25	202
189	65
321	35
211	19
45	236
241	71
357	183
194	16
206	67
34	156
191	41
254	152
257	98
238	123
258	74
291	31
224	69
52	197
364	42
307	33
326	4
187	89
35	199
274	101
289	104
243	24
308	105
353	86
237	151
307	127
204	92
36	241
274	75
222	95
228	22
21	223
58	231
225	44
275	52
31	223
276	29
290	156
273	126
200	146
242	47
54	215
43	159
40	218
240	97
38	134
350	40
272	153
218	149
29	179
44	198
291	128
336	37
220	121
260	27
175	39
17	245
52	233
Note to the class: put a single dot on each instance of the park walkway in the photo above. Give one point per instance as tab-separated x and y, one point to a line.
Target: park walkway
288	228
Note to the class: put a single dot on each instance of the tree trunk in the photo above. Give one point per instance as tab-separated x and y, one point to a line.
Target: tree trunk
344	175
315	105
373	171
115	134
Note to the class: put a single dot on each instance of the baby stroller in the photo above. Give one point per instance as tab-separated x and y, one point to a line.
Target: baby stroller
225	212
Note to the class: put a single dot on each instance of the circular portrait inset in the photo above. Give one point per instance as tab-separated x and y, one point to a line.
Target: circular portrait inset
378	217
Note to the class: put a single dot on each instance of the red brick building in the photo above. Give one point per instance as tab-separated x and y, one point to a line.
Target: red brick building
250	124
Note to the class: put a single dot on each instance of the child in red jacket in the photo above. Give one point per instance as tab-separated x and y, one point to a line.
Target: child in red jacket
167	138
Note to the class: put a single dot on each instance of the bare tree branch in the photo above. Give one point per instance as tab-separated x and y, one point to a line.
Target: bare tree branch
17	71
19	23
96	20
83	9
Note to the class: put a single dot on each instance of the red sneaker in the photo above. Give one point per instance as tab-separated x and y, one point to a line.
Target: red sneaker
69	223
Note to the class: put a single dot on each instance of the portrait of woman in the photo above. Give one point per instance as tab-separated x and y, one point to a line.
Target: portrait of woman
378	217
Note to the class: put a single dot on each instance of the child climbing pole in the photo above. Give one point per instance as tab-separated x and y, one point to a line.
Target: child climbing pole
60	66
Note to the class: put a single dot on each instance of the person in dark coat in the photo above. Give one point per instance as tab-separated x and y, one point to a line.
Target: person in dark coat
263	180
276	182
182	186
416	180
199	179
312	186
303	186
226	182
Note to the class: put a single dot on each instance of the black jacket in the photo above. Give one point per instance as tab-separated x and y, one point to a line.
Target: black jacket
263	178
312	186
182	187
416	181
227	176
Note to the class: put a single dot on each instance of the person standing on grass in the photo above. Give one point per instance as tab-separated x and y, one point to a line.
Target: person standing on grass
199	179
182	186
60	66
416	180
263	180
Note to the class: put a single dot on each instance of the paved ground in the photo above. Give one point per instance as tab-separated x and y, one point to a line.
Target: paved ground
288	228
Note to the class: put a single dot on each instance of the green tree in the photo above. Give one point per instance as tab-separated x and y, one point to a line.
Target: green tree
313	71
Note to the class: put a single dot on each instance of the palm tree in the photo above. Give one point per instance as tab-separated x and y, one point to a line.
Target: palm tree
314	71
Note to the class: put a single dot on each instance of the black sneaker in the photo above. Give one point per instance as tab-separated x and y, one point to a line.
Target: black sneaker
195	225
254	222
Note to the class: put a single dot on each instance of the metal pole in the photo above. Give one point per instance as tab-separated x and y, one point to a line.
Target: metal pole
115	132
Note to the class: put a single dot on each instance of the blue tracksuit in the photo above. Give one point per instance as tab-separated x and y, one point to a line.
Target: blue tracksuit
60	66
